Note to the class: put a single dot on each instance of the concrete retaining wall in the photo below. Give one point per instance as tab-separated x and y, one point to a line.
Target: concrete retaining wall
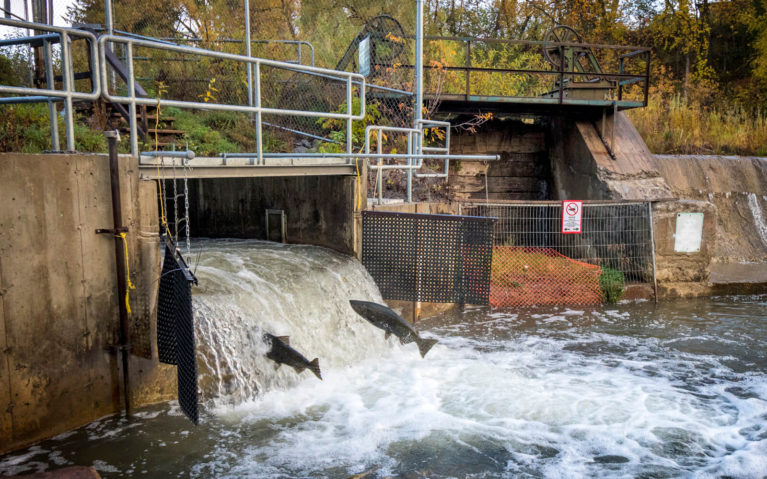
58	295
320	209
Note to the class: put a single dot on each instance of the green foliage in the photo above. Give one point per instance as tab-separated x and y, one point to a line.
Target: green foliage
613	285
337	127
8	75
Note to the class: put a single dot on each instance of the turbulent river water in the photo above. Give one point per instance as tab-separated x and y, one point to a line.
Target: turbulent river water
632	390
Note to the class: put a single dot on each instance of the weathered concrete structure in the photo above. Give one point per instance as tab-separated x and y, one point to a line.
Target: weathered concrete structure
59	318
320	210
583	158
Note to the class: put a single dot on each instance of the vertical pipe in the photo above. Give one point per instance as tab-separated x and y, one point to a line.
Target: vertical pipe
257	101
418	63
647	79
349	138
108	18
49	77
418	90
110	24
248	65
652	245
468	66
114	174
132	107
561	73
66	77
30	58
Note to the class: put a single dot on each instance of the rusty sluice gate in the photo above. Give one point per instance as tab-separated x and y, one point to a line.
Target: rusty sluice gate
433	258
175	327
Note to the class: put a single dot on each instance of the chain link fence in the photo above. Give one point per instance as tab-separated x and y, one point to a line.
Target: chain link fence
534	263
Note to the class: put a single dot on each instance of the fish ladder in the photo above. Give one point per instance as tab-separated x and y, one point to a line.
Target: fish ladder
175	327
426	257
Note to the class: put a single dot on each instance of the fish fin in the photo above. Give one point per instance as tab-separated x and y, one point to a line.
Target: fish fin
284	339
314	366
387	335
424	345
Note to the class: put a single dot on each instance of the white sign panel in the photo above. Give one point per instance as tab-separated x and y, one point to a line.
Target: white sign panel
363	52
689	232
572	215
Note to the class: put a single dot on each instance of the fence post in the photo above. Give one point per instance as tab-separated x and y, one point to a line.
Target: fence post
652	246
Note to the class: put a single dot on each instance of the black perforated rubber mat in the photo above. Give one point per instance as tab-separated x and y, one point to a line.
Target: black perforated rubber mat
175	329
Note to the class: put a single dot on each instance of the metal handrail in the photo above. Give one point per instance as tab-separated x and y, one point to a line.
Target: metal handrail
415	154
68	92
621	78
132	100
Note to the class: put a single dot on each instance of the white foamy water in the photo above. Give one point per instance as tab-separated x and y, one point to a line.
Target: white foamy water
249	288
678	390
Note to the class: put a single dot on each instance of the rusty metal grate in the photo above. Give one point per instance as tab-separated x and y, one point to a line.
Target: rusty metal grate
175	328
434	258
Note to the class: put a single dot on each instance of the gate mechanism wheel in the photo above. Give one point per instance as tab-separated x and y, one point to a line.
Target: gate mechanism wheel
559	34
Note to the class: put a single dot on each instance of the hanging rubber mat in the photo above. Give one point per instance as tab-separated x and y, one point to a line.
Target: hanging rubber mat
434	258
175	328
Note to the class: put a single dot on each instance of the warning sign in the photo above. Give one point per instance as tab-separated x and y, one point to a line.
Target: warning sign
572	215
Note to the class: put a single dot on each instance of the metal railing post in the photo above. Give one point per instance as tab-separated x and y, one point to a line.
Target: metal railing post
259	123
468	69
66	78
349	139
49	78
652	246
132	106
249	66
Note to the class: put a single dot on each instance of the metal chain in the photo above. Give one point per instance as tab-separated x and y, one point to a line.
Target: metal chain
185	163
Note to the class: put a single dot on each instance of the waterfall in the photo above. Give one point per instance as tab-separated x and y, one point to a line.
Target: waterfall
249	287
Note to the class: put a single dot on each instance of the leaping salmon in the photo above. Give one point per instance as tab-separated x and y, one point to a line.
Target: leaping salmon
391	322
281	353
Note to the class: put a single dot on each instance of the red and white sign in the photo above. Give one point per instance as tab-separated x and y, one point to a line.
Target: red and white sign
572	215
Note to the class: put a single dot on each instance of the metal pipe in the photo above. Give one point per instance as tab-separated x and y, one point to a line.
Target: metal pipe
259	117
349	139
49	77
132	104
248	66
33	41
652	245
66	66
114	174
188	154
419	61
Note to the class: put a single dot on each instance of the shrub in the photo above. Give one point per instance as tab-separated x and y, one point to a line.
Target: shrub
613	285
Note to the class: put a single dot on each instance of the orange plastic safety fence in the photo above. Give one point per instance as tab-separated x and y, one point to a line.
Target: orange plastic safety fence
526	276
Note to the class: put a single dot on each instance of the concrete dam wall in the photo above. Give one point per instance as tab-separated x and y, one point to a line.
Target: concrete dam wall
59	318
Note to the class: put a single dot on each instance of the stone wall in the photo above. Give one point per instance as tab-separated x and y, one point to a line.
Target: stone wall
522	173
59	318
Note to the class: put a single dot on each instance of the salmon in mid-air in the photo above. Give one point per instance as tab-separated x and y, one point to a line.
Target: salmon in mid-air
391	322
281	353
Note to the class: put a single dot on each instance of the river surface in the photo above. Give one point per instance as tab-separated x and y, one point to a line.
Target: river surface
632	390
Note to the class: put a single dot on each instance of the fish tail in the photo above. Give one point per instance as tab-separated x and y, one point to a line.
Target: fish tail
314	366
424	345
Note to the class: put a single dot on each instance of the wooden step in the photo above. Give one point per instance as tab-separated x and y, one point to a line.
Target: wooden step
161	131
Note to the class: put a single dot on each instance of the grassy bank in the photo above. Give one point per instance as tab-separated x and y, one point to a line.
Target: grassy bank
670	125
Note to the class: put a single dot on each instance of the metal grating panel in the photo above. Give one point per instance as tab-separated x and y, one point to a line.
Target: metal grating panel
175	329
434	258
